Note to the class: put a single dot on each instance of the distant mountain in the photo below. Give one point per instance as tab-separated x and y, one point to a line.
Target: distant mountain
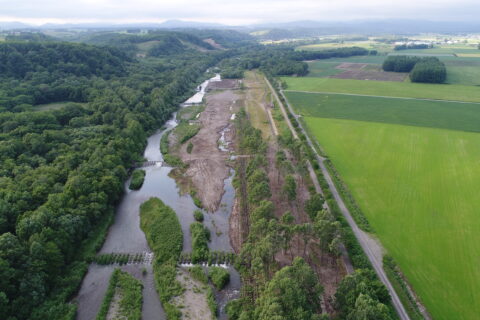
294	29
9	25
176	24
365	27
169	24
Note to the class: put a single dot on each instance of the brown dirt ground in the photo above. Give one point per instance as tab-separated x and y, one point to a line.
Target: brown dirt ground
225	84
351	66
207	168
378	75
193	299
213	43
365	71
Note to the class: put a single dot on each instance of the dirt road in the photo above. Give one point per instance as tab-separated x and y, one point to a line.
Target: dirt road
282	108
363	238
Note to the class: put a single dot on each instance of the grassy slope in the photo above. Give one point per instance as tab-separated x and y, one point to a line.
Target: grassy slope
385	88
418	187
446	115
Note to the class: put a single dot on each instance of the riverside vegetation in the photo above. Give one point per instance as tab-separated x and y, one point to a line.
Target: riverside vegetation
129	292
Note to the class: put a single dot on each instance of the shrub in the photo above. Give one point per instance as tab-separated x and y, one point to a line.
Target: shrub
164	235
198	215
212	304
138	177
199	242
189	147
162	229
219	277
199	274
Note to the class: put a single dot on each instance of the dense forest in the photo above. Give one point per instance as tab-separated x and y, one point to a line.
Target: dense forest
427	69
62	171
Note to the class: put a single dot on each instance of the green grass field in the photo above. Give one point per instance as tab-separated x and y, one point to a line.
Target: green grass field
54	105
385	88
323	68
419	189
434	114
369	45
463	71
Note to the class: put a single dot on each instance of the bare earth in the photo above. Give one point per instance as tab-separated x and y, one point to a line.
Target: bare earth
207	164
193	300
114	309
351	66
364	71
378	75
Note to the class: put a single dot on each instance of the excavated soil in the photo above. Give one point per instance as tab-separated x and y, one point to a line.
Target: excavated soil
207	167
225	84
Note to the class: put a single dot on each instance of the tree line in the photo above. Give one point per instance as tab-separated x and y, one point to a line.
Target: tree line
412	46
426	69
281	60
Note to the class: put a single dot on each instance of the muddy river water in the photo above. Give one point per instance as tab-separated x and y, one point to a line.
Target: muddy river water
126	236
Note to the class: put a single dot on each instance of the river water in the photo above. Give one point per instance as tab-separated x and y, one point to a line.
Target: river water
126	236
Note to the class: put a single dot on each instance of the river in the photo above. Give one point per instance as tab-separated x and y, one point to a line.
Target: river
126	236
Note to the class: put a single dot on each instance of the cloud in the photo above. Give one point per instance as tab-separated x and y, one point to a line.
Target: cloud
234	12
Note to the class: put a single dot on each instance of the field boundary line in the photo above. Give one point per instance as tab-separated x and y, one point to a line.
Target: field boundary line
362	237
388	97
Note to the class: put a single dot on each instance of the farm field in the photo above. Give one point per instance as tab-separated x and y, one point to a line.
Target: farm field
385	88
370	45
460	70
463	71
462	61
423	113
418	188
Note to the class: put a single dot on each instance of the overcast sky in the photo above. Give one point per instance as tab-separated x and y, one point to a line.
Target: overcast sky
234	12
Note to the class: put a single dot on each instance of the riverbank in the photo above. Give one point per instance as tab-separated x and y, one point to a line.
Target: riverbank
125	235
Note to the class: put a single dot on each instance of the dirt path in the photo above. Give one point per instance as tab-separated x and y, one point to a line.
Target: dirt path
371	250
282	108
114	309
207	163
